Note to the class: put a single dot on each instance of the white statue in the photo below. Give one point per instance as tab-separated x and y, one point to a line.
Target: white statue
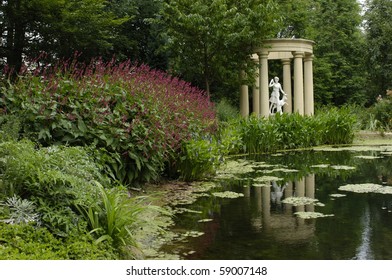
275	95
281	103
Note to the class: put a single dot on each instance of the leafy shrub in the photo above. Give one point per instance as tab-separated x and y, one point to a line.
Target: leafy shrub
200	157
19	211
54	178
26	242
225	111
339	126
137	115
9	127
382	112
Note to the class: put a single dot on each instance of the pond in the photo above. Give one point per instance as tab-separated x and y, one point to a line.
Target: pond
325	203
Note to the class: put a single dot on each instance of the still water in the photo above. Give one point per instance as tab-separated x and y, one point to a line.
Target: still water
260	225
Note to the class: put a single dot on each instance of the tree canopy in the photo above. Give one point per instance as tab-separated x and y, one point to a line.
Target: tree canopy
211	40
208	42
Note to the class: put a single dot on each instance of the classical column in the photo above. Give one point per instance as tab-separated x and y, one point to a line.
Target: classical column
287	108
263	84
256	96
298	83
244	97
309	96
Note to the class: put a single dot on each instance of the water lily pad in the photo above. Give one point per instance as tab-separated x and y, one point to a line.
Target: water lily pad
342	167
368	157
367	188
285	170
298	201
319	204
267	179
312	215
337	195
235	167
227	194
262	185
320	166
193	233
349	148
205	220
181	210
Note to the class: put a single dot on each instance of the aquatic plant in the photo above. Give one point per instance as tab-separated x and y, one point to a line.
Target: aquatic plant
292	131
366	188
312	215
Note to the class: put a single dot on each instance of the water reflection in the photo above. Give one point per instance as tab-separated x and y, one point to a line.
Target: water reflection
276	217
261	226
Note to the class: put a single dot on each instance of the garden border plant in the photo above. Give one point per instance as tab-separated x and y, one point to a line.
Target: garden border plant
137	116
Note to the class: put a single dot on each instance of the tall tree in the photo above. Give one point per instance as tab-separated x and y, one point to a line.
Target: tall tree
211	40
378	29
339	65
58	27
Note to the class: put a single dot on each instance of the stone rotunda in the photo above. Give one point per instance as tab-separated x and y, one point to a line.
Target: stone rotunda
300	97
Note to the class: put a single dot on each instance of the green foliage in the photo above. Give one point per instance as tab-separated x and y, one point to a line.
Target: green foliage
379	46
264	135
26	242
339	63
58	28
225	111
19	211
9	128
382	114
53	178
337	126
115	217
211	40
200	157
137	116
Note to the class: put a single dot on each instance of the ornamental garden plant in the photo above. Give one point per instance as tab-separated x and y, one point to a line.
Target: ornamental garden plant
136	117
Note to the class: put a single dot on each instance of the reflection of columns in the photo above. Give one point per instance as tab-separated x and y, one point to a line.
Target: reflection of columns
298	83
258	199
256	95
309	191
300	192
263	84
287	108
288	192
300	188
266	206
244	103
309	96
246	191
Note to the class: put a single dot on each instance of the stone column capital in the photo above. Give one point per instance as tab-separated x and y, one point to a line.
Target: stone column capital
286	61
308	57
263	54
298	54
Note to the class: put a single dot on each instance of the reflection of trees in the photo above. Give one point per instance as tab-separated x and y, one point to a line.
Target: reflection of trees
257	227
